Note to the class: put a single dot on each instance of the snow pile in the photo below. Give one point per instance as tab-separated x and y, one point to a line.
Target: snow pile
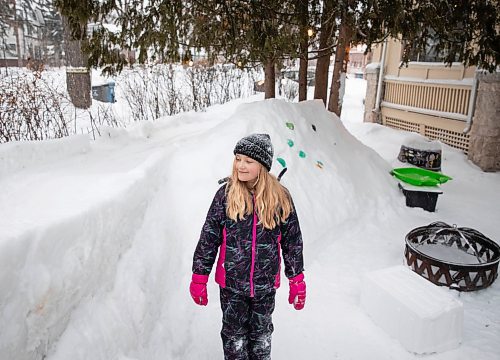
64	230
15	156
96	245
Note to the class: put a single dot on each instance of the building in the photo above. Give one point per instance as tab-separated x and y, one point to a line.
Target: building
457	105
30	43
357	62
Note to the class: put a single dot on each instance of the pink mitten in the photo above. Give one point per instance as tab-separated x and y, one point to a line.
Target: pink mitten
198	289
297	292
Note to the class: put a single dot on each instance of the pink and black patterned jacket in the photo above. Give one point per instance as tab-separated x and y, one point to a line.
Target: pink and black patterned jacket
249	255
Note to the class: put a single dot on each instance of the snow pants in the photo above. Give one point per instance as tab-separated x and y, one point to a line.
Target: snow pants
246	325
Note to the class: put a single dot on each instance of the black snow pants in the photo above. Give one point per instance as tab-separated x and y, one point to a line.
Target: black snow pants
246	325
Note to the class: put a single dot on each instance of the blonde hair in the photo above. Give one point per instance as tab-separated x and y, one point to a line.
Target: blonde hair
272	200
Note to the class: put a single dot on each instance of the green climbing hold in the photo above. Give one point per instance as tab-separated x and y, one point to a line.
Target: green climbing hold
290	142
282	162
290	125
302	154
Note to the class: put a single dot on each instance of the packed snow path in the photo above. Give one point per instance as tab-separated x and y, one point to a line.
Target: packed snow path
96	238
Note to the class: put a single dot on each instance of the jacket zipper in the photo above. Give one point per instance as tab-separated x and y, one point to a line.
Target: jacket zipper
254	241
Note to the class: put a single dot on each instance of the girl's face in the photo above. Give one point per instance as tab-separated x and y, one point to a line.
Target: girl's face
248	169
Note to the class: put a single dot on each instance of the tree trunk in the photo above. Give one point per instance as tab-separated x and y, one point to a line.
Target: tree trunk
78	80
323	63
269	80
339	70
302	79
304	44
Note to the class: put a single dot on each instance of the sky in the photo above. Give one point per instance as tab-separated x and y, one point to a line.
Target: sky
97	237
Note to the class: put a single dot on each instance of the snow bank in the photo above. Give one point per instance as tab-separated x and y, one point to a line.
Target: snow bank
96	247
15	156
62	236
74	251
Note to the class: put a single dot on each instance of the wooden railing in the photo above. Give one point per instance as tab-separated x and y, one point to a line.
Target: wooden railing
442	97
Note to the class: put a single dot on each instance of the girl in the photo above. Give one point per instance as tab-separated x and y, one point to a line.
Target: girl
251	218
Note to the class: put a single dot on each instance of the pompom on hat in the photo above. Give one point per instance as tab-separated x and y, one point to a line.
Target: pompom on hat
257	147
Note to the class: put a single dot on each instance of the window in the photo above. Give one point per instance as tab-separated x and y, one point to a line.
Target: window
11	48
430	52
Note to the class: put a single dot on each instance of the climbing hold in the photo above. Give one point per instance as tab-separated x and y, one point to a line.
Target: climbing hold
319	164
290	125
302	154
314	127
282	162
290	142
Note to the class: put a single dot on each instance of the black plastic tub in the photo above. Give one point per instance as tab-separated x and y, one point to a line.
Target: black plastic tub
424	198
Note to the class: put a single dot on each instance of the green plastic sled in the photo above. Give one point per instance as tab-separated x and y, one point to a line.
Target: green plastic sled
420	177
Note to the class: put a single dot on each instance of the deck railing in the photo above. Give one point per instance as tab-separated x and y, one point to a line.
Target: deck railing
445	99
442	97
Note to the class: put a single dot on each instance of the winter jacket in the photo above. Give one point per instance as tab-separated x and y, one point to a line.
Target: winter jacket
249	255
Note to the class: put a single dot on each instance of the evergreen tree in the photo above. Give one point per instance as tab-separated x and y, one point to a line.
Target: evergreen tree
467	31
249	32
266	32
245	33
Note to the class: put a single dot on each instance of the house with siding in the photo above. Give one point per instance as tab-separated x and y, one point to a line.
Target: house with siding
16	49
457	105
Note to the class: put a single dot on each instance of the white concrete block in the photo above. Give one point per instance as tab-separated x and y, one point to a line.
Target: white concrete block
423	317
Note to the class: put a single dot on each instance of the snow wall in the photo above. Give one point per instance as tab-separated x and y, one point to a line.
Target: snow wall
105	239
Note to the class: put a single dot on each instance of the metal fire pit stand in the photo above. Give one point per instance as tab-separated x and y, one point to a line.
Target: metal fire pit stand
462	277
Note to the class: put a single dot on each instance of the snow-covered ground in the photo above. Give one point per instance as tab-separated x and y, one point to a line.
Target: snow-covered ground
97	237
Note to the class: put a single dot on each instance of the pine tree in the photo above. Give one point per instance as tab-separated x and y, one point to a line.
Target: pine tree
466	31
266	32
245	33
248	33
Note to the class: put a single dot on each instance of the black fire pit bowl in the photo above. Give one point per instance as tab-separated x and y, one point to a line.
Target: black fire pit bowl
460	258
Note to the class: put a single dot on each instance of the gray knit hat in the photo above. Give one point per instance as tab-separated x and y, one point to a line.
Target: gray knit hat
258	147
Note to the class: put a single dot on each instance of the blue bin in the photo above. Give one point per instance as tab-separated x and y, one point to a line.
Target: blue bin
105	92
110	94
